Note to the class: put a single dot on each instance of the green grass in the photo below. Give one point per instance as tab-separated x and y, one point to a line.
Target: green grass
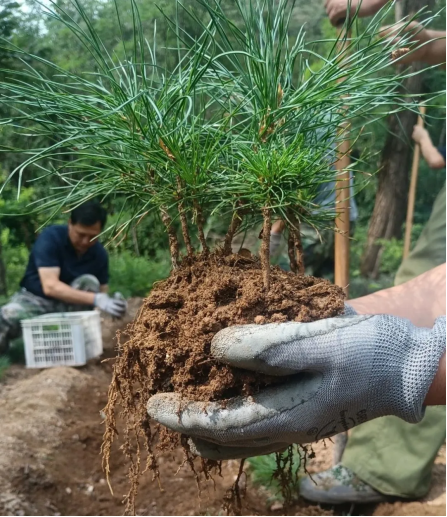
262	470
4	365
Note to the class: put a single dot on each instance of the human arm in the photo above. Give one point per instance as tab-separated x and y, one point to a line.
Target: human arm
337	373
432	156
54	288
429	45
421	300
337	10
422	309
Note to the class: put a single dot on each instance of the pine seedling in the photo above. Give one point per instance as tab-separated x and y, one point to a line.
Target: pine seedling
288	114
244	121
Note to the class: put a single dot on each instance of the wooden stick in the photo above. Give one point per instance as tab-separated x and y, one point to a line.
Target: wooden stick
342	224
413	184
342	244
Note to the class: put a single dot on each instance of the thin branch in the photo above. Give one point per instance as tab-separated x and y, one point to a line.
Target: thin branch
184	222
185	231
135	241
291	252
173	241
200	223
236	221
294	230
265	248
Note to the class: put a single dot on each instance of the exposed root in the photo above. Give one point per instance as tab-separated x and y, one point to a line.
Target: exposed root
232	503
286	475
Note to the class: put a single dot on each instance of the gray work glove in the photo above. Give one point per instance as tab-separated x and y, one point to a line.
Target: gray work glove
346	370
113	306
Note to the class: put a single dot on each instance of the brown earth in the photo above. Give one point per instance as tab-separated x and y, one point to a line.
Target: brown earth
51	432
168	345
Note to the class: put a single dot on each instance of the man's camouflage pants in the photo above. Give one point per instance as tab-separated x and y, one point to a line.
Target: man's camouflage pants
24	305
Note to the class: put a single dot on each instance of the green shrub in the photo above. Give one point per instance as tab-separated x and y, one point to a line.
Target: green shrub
15	259
16	352
134	276
391	259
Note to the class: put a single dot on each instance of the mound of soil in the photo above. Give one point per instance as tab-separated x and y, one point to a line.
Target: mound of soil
168	346
169	349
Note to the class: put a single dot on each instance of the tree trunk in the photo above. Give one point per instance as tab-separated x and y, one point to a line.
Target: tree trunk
3	285
393	178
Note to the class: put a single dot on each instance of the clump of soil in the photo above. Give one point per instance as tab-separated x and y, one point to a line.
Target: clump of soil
169	343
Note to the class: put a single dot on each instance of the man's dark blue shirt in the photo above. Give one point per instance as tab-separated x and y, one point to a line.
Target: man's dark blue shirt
53	248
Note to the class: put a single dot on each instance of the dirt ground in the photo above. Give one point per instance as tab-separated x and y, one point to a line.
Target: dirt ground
50	435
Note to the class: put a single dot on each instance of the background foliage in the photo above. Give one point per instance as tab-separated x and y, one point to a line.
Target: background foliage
141	258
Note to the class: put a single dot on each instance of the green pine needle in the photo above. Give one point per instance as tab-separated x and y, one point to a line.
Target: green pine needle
241	114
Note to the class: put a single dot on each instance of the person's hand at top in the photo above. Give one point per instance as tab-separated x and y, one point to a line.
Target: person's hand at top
429	45
337	373
337	10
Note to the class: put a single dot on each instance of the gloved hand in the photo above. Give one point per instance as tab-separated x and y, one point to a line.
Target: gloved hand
114	306
346	370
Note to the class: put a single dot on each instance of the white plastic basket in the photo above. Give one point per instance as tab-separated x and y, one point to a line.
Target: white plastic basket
62	339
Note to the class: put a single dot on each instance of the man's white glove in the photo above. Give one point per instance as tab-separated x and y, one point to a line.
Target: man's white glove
114	306
345	371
